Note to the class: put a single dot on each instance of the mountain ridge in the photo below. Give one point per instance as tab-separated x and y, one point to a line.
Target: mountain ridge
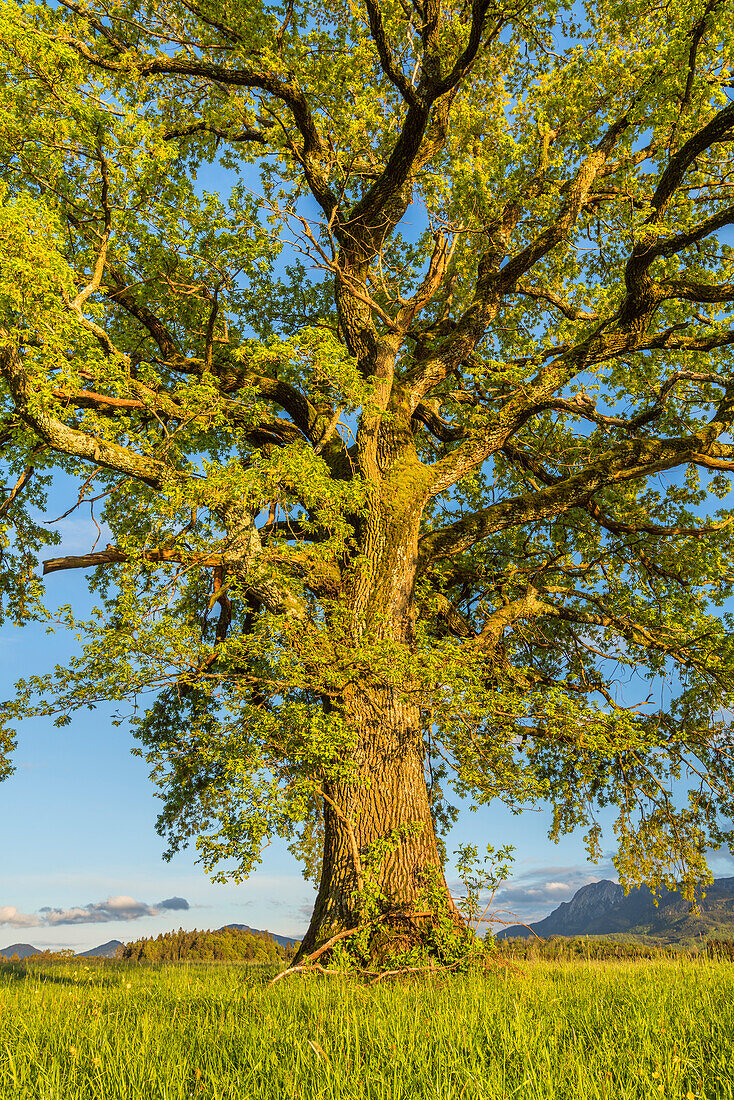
104	951
602	909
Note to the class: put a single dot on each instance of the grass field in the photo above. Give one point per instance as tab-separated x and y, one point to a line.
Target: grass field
571	1030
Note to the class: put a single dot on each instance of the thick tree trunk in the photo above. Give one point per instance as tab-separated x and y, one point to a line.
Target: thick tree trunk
390	794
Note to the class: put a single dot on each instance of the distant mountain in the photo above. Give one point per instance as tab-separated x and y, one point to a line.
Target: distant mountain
601	909
285	941
23	950
19	949
104	951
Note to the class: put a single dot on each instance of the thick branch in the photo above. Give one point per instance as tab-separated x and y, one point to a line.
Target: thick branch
635	632
436	425
544	295
719	128
313	148
237	136
260	430
119	293
642	294
529	606
575	198
17	488
468	56
72	441
112	555
493	281
387	61
691	291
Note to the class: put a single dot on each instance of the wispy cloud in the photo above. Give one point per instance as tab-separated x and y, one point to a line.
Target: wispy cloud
119	908
542	892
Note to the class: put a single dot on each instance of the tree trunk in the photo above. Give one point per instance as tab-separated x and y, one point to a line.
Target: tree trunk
390	794
388	800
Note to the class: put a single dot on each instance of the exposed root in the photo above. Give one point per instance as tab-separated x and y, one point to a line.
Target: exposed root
310	965
311	959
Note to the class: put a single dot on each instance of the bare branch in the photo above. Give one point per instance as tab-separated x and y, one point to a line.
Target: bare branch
235	136
20	484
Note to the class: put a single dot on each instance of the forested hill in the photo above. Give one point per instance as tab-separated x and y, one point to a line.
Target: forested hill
601	908
284	941
246	945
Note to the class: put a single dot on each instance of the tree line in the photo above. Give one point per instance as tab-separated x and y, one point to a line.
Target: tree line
224	945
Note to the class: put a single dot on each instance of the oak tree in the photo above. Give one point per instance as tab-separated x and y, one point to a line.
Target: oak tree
392	340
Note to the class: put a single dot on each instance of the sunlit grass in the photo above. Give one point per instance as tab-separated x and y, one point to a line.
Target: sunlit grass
588	1030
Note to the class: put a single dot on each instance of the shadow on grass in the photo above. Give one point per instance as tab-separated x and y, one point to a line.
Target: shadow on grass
53	974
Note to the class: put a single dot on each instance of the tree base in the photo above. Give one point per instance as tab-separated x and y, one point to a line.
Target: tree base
397	940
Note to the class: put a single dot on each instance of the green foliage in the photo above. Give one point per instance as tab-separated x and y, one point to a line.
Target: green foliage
481	877
61	956
438	936
426	410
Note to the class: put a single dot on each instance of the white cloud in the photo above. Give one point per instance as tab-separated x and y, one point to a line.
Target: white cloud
10	915
538	891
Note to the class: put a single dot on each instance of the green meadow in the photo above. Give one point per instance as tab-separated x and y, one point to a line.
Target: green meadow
662	1028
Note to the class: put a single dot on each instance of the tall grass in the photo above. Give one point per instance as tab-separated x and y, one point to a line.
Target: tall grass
570	1030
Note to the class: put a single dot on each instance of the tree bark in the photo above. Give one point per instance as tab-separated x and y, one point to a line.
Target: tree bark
389	795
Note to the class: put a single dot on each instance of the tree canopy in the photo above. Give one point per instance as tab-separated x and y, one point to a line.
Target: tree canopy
392	339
